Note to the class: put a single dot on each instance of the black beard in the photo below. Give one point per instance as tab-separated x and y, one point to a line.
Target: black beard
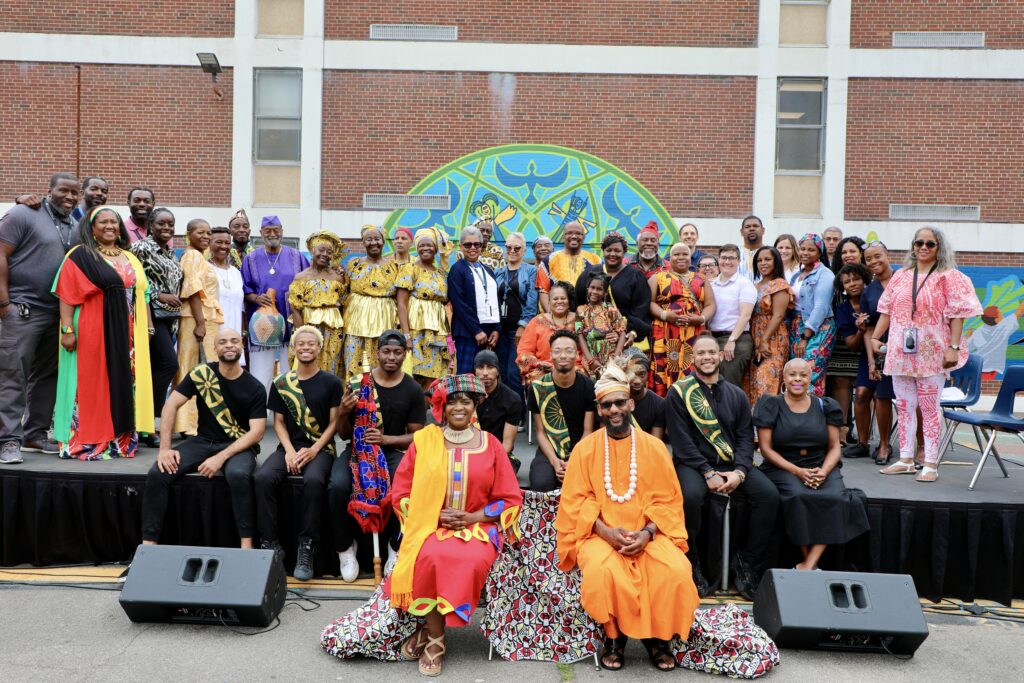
620	431
59	210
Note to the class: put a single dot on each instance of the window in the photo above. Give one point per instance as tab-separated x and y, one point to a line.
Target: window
800	138
278	115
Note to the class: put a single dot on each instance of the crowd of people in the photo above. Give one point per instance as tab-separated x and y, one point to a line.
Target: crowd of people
632	366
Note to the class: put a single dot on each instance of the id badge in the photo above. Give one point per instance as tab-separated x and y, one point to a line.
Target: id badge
504	309
910	340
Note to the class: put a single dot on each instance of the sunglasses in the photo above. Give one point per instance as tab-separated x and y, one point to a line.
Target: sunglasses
513	248
472	245
922	243
608	405
876	243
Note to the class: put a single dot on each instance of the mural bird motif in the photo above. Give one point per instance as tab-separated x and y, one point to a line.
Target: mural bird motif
625	218
531	179
486	209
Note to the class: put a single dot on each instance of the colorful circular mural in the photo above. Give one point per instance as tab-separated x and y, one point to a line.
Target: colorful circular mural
536	190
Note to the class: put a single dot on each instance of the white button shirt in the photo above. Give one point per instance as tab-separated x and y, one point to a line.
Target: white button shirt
728	297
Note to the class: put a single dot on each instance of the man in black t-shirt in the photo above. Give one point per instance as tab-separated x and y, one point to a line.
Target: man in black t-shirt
500	411
401	411
306	449
240	402
572	394
648	407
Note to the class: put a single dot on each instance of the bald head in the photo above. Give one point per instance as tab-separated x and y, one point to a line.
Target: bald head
228	346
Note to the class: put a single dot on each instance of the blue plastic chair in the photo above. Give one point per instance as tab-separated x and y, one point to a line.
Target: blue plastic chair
968	380
999	419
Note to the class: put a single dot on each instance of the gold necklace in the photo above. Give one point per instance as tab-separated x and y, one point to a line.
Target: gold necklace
112	252
457	436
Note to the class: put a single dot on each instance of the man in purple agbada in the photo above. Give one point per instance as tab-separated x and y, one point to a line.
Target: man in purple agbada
273	266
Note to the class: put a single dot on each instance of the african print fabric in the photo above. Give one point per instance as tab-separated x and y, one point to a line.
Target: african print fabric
595	323
725	640
374	630
817	351
427	319
291	393
533	609
370	503
671	353
208	386
552	416
703	416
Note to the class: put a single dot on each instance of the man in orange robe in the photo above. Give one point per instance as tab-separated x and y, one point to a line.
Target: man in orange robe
621	521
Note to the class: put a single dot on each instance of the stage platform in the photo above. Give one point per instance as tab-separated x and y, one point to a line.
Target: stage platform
954	542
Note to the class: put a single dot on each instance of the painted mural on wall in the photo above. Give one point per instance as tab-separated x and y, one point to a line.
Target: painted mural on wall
998	334
536	190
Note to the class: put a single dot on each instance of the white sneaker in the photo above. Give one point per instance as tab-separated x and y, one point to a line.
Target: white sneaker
349	564
389	566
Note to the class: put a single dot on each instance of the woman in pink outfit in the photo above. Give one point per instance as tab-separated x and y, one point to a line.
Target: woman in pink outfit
923	308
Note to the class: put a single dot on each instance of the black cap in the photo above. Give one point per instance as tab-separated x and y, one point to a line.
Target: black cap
391	338
486	357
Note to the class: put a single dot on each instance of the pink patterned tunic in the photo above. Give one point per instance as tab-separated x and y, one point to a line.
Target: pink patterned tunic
945	296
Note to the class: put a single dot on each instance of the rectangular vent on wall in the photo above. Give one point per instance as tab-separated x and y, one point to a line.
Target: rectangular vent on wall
939	39
934	212
385	201
413	32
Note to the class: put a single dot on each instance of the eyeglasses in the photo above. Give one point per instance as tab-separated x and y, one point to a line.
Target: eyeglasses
728	257
707	266
608	405
513	248
472	245
923	243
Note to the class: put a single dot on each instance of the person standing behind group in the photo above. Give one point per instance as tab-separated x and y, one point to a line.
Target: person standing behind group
707	268
201	315
315	298
534	350
851	325
768	325
681	305
790	253
371	308
735	297
401	242
924	309
156	254
517	297
105	330
876	257
843	363
95	191
568	264
648	260
241	245
542	249
832	236
688	235
230	290
752	231
473	292
626	288
491	254
422	291
141	201
272	267
814	329
32	246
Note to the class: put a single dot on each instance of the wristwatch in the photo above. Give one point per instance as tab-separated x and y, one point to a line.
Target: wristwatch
955	347
67	329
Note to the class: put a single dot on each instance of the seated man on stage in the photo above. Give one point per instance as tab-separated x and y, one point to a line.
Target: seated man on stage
501	410
305	403
401	412
712	437
562	403
229	397
621	521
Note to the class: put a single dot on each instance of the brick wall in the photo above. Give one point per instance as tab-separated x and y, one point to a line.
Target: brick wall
158	126
873	21
689	140
120	17
600	22
926	141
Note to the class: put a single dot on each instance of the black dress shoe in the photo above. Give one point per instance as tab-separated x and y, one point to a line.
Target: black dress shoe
150	441
744	577
857	450
703	587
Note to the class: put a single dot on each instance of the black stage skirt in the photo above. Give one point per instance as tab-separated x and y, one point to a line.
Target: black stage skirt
831	514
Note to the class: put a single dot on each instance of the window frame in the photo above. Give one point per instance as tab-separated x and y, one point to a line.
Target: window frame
256	118
820	127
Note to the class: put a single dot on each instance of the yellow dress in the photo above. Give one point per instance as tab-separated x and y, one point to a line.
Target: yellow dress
318	301
198	279
428	320
369	310
566	268
650	595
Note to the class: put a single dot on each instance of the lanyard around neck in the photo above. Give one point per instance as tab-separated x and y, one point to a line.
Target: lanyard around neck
916	290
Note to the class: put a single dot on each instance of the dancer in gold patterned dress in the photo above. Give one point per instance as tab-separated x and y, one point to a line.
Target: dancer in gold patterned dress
316	296
370	308
422	310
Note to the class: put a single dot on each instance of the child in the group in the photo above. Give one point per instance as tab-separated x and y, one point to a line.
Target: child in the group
600	327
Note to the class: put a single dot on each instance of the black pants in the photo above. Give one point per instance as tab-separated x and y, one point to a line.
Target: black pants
163	360
760	493
339	492
268	479
542	474
237	470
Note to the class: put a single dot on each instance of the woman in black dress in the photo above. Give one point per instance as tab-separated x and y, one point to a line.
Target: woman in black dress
799	438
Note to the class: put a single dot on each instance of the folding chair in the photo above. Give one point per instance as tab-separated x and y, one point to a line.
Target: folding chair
968	380
999	419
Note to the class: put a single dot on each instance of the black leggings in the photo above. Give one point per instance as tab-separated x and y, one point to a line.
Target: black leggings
271	474
163	360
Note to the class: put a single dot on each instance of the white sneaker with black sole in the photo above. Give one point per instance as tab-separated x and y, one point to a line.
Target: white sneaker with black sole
349	563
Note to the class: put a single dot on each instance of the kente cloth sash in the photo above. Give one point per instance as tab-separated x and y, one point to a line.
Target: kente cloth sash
552	416
291	393
208	386
703	416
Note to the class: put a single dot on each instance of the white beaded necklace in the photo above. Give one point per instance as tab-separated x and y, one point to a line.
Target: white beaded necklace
632	470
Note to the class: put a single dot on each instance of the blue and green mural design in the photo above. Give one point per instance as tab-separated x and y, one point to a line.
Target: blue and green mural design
998	334
536	190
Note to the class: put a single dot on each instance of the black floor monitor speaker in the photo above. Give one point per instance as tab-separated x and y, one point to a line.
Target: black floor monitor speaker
186	584
840	611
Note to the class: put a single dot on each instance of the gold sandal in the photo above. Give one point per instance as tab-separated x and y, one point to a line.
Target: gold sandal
412	648
899	467
425	670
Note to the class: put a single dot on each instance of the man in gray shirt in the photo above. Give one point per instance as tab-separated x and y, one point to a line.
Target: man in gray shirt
33	243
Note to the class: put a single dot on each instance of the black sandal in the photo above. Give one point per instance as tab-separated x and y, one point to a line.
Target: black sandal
615	650
656	650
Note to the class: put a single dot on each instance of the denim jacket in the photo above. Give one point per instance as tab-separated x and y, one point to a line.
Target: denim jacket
527	289
815	297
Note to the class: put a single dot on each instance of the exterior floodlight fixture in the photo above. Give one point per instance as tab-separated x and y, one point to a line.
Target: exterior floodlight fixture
209	63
